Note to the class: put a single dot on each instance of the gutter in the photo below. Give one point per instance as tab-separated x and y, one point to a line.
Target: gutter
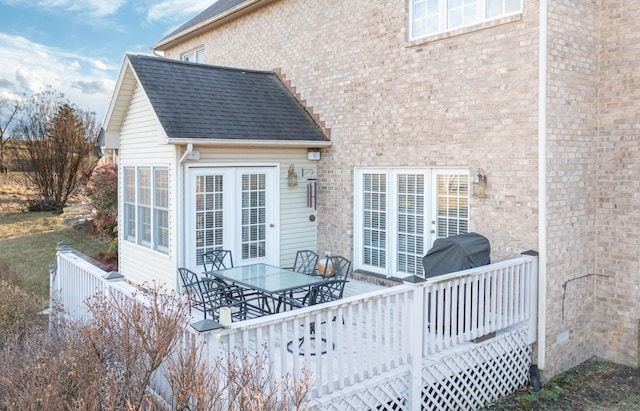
542	184
245	143
217	20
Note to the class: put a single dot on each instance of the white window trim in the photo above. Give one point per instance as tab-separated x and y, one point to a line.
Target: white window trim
136	238
430	212
194	55
482	22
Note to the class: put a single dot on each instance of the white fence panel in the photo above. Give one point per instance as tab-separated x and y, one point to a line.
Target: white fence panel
350	343
467	305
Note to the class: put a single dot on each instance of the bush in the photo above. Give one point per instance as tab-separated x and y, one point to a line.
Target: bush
102	193
19	309
107	361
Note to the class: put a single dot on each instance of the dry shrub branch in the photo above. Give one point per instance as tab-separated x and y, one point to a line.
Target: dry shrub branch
108	363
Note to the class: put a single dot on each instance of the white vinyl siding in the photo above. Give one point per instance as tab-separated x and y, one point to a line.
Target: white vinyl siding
139	147
296	221
400	213
429	17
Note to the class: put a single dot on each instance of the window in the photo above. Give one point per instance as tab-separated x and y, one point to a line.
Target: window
400	213
196	56
430	17
146	207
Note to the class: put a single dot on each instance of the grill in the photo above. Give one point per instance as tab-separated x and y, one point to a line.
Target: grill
456	253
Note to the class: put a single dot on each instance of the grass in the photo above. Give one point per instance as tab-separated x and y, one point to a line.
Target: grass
28	241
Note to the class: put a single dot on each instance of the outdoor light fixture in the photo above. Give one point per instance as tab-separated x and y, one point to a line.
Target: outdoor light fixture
292	176
480	184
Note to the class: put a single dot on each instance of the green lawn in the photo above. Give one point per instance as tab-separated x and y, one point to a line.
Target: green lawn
28	243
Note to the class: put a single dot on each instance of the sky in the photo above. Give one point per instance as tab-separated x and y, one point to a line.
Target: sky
77	46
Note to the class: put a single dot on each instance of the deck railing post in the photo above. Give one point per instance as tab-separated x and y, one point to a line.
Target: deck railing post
54	281
532	334
416	333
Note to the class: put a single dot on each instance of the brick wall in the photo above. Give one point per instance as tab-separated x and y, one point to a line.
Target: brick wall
469	99
571	181
618	235
465	101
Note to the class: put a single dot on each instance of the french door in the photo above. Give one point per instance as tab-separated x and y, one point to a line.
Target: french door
232	208
401	212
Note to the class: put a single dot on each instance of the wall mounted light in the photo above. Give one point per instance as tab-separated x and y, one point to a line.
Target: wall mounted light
292	176
480	184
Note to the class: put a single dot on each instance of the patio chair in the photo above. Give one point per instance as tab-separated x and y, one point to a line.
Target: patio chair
208	295
336	267
306	262
217	260
330	290
201	294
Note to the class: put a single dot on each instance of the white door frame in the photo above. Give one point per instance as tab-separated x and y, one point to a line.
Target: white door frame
233	211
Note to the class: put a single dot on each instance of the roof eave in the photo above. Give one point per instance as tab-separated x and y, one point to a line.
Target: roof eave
233	13
248	143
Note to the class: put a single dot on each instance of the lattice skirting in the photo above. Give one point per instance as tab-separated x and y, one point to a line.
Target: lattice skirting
467	377
384	392
481	374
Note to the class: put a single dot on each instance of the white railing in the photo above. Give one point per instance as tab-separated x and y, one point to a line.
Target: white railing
467	305
75	278
356	339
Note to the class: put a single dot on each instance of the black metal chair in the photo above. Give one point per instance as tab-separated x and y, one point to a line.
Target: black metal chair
327	291
217	260
306	262
204	295
209	295
336	267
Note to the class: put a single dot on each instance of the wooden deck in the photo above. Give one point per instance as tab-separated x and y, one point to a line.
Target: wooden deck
408	347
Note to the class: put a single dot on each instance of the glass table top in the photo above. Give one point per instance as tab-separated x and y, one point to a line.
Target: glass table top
267	278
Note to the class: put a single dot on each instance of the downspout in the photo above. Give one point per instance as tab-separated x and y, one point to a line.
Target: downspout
181	220
186	154
542	185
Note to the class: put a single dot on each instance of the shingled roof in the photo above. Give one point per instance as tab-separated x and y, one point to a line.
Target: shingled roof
217	10
212	102
214	10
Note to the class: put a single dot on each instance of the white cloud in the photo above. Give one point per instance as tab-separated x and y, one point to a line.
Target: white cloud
94	8
176	10
27	67
99	65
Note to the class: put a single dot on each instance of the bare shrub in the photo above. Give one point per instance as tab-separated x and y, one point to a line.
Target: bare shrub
147	333
102	193
243	377
18	308
107	363
195	386
58	150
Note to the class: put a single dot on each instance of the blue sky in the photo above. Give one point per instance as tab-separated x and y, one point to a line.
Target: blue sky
77	46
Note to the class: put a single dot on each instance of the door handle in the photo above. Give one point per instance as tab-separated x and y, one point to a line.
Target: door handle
271	225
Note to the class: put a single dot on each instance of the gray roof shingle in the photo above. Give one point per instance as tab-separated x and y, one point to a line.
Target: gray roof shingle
211	102
214	10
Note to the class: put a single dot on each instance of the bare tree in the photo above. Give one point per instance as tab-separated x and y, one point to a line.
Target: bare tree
59	148
8	115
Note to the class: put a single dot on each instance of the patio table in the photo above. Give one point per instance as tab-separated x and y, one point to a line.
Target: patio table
269	280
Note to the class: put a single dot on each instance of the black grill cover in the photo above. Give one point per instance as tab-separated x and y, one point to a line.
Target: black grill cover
456	253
